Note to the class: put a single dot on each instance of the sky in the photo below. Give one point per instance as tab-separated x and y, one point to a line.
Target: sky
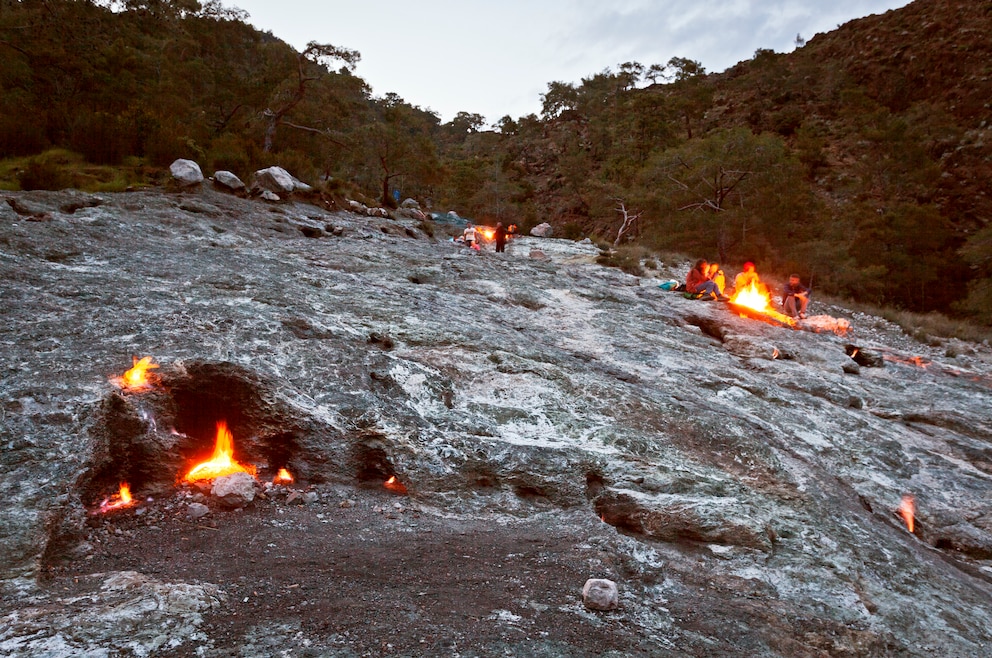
496	57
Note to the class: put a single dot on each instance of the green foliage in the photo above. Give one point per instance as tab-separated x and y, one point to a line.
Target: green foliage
626	258
43	174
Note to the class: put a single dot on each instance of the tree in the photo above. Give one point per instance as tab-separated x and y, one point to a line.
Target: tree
312	64
683	68
559	97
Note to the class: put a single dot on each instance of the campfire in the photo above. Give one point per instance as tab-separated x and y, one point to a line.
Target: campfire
754	302
222	461
137	378
121	499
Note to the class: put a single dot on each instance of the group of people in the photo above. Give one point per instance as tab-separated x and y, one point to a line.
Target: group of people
708	281
470	237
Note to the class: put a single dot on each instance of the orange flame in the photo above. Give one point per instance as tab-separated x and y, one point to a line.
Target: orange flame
907	510
395	485
222	462
137	378
121	499
487	232
757	300
282	477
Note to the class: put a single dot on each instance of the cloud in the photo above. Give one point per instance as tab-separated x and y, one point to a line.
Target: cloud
497	58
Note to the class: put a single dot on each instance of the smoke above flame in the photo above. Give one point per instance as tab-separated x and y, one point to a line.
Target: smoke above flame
222	461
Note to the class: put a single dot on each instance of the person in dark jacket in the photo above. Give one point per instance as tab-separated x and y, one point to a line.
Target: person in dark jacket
795	297
499	235
698	281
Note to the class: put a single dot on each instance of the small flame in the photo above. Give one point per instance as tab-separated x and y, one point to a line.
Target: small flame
121	499
395	485
487	232
282	477
907	510
222	462
137	378
855	353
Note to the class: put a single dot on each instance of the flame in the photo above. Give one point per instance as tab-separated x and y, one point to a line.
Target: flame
121	499
222	462
907	510
395	485
282	477
487	232
757	300
137	378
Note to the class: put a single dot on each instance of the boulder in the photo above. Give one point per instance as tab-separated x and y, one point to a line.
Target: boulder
410	203
542	230
186	172
268	195
228	180
600	594
235	490
280	181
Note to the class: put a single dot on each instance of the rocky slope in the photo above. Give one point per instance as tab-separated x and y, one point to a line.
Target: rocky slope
551	421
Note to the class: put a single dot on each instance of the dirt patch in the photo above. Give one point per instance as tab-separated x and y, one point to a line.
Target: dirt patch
365	572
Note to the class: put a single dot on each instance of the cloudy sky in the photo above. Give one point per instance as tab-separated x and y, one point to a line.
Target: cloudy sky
496	57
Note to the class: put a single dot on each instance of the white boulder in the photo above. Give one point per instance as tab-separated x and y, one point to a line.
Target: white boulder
542	230
186	172
600	594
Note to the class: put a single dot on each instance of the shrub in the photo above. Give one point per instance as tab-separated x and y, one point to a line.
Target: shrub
43	174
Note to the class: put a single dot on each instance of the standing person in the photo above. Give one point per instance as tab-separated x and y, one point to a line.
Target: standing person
469	236
794	295
716	276
500	236
698	281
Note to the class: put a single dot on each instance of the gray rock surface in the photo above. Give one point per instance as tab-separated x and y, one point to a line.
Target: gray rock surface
740	484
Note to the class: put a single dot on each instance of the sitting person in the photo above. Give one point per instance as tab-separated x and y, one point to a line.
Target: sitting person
698	281
716	276
746	278
795	297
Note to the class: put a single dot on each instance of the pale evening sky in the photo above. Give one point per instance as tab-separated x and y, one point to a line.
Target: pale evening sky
496	58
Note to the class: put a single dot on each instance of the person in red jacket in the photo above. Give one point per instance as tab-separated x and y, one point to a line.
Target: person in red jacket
698	281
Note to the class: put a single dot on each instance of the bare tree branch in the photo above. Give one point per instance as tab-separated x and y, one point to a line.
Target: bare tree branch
628	221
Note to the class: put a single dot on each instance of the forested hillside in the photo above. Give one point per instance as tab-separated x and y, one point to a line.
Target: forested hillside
861	160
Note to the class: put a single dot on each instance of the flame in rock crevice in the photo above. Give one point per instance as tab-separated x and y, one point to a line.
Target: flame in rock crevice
222	461
283	477
137	378
121	499
907	510
394	485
